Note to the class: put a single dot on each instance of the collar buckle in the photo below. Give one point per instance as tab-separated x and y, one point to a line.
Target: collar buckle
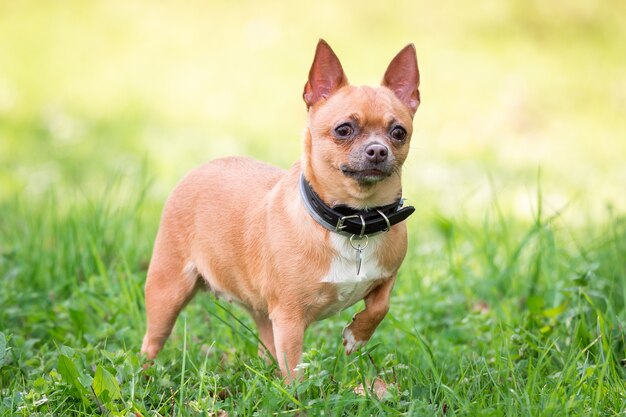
340	223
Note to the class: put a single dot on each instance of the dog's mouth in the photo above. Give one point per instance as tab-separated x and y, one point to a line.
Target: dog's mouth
365	176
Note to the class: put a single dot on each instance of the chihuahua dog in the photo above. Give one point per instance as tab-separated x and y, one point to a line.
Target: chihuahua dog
293	247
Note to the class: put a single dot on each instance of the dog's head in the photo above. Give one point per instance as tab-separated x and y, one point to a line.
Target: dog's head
357	138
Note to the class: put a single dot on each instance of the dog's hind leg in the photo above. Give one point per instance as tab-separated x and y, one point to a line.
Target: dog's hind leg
169	286
266	335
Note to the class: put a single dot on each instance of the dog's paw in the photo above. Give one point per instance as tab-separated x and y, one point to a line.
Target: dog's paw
349	341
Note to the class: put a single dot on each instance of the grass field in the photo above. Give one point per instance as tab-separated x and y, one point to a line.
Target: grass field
496	318
511	301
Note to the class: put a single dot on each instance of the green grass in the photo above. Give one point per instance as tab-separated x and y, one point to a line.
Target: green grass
494	318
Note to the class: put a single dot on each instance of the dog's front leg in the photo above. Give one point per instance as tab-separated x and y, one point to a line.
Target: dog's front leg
359	331
288	327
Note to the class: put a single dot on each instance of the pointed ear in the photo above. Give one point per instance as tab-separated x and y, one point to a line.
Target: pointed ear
403	77
325	76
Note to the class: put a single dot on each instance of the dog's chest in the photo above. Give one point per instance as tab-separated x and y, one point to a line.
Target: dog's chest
350	285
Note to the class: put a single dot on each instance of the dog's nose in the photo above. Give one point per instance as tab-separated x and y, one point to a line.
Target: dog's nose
376	153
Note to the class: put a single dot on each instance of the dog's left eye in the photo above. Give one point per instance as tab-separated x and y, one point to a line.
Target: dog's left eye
344	131
398	133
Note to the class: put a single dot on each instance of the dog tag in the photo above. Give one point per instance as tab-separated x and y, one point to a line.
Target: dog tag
358	247
359	259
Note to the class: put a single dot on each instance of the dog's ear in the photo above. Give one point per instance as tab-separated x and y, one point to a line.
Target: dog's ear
326	75
403	77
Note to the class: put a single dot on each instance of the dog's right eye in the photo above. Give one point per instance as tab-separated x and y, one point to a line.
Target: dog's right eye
344	131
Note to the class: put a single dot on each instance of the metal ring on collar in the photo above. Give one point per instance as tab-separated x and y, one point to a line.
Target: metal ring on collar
359	247
362	226
386	220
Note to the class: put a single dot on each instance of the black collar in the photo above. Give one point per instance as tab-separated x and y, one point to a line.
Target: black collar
349	221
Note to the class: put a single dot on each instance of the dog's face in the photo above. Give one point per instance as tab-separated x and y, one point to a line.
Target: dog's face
358	137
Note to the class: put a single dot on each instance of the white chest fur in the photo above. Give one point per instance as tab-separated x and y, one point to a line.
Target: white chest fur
352	287
343	268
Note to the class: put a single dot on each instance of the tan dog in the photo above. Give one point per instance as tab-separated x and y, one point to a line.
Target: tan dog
297	246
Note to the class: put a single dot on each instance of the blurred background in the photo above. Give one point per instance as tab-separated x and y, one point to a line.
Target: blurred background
518	97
